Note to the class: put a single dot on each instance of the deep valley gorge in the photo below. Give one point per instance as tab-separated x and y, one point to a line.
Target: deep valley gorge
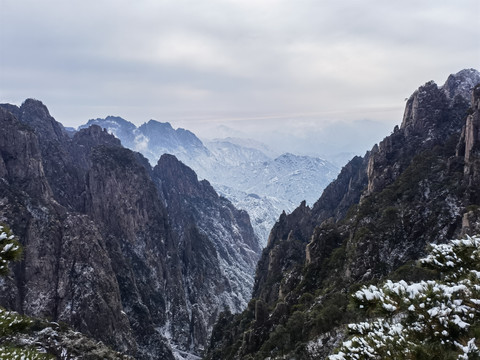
150	243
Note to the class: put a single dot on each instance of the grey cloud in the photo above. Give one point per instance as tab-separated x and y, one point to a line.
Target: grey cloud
187	61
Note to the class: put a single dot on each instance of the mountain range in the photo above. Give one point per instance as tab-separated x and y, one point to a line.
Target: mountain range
155	264
242	170
141	258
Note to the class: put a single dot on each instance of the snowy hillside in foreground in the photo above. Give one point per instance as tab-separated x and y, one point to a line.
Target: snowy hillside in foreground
244	171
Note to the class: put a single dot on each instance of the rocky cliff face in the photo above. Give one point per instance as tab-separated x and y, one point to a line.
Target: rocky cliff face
469	145
432	115
469	148
221	244
143	259
413	188
64	252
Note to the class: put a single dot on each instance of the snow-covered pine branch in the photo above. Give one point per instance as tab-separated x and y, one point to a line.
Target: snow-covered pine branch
428	318
10	248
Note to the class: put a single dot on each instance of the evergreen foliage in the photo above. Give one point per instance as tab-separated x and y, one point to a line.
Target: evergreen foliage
14	353
10	249
12	323
435	319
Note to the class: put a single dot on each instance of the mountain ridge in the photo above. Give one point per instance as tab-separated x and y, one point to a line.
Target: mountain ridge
235	167
413	188
103	250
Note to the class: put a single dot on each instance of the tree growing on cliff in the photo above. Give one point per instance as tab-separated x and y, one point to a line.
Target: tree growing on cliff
425	320
11	322
10	249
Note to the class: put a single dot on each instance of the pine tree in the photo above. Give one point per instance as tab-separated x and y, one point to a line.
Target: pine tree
437	319
10	249
12	323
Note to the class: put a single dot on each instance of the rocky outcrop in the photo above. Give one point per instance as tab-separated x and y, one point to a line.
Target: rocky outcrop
381	211
469	145
469	149
461	84
222	242
64	253
424	110
285	249
143	259
57	341
21	161
344	191
432	115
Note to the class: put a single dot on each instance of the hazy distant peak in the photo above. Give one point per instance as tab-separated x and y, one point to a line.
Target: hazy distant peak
247	143
110	122
185	132
164	135
155	124
120	120
117	118
288	156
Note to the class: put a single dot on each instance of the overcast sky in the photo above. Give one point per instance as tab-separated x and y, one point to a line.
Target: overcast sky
308	76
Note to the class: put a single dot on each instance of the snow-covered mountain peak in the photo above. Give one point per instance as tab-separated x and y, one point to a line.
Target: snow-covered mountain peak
247	143
245	171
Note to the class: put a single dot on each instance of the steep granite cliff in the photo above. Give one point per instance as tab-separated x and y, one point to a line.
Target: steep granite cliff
64	252
413	188
109	241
